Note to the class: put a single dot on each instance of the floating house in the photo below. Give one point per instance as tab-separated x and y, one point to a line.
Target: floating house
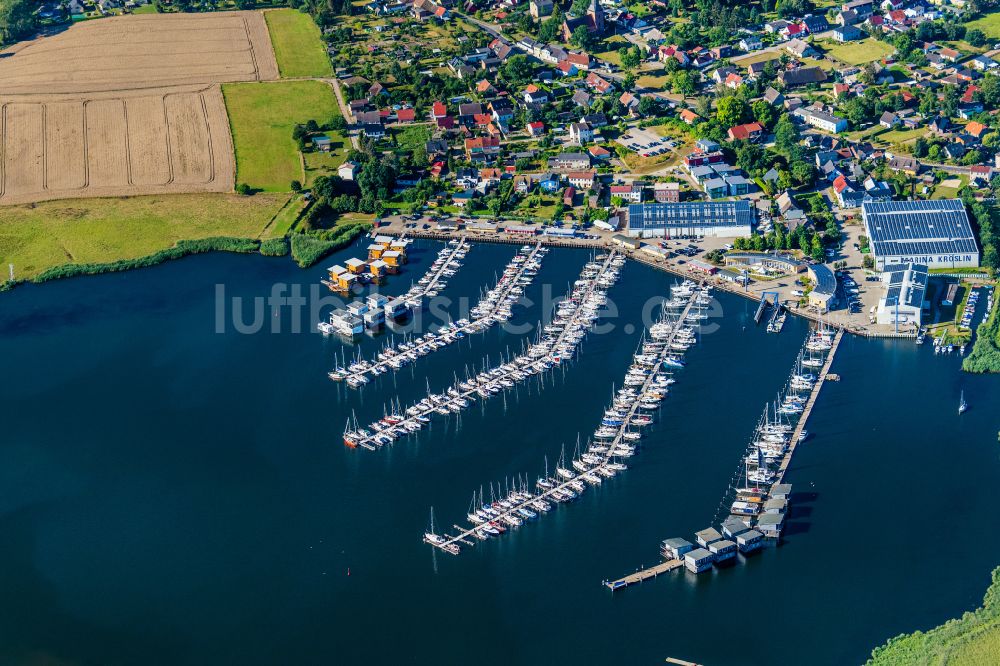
749	541
698	560
723	550
675	548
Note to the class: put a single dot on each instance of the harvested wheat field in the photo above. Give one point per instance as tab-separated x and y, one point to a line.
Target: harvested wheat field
126	105
114	144
145	51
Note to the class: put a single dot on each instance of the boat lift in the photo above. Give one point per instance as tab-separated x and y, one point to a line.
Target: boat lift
764	303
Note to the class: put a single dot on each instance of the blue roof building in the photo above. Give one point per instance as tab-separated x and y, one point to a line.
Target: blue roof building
718	219
934	233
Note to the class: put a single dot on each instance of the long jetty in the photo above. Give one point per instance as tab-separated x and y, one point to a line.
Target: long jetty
393	358
511	511
491	381
800	426
434	278
673	564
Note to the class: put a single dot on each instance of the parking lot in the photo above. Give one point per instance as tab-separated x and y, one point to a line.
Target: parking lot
645	142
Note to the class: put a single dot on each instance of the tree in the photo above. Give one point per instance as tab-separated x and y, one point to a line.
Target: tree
517	70
244	190
684	83
975	37
631	57
816	251
786	135
803	173
731	111
17	20
296	186
582	38
648	106
764	113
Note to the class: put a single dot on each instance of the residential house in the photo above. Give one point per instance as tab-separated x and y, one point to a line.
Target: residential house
581	98
802	76
748	132
540	8
799	48
888	120
581	133
502	110
631	193
688	116
570	161
773	97
581	180
482	148
815	23
536	128
846	33
667	192
534	95
751	43
596	83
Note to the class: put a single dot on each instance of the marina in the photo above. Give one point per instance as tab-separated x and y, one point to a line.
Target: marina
495	306
575	315
756	502
376	310
646	385
205	527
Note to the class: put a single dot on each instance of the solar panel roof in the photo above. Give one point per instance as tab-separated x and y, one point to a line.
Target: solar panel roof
918	227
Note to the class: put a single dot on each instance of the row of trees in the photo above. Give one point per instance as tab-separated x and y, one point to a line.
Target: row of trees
17	20
802	238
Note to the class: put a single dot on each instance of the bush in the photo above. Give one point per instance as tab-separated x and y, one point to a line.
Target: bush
182	249
308	249
244	190
274	247
985	356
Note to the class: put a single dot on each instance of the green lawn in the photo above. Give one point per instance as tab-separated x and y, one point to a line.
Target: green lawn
409	138
972	640
325	164
262	116
38	236
857	53
900	135
989	24
757	57
297	44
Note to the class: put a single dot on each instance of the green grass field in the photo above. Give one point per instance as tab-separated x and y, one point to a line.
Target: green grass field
972	640
262	116
743	63
297	44
325	164
38	236
857	53
989	24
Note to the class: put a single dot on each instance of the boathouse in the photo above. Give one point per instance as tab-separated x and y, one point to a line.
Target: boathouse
698	560
378	268
396	308
375	251
770	524
749	541
675	548
775	505
733	526
707	536
782	491
393	260
355	265
722	550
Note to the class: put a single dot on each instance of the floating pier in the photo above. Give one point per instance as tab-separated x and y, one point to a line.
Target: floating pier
574	318
494	307
758	510
614	435
639	576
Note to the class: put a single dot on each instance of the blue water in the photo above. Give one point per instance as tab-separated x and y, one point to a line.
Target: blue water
174	495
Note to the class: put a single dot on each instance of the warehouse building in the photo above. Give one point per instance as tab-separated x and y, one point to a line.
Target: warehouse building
904	299
934	233
824	287
718	219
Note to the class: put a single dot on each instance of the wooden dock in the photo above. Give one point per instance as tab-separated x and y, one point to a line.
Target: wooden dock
639	576
804	417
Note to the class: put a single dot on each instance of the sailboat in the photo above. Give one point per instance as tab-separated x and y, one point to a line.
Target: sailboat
962	405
